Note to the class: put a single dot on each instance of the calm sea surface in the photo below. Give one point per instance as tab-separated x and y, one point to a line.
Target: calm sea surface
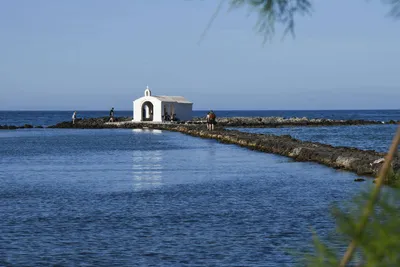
117	197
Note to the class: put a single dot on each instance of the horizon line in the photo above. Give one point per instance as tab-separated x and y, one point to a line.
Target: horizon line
71	110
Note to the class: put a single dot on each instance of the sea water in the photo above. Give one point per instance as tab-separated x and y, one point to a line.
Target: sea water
154	198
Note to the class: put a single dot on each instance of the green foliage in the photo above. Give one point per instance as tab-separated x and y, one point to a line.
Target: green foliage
378	245
395	11
273	12
283	12
393	179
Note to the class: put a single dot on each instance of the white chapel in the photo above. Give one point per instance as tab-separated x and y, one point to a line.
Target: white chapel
161	108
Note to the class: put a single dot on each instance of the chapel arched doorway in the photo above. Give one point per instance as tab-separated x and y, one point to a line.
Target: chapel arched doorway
147	111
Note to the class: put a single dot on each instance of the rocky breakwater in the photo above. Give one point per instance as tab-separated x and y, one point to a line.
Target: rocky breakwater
14	127
79	123
355	160
91	123
272	122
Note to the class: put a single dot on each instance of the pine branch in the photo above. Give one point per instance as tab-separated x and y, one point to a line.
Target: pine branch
373	199
275	12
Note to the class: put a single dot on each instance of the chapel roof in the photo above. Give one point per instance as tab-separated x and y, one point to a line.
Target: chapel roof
165	98
176	99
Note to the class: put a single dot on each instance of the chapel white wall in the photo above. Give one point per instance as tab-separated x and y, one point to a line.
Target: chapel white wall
137	108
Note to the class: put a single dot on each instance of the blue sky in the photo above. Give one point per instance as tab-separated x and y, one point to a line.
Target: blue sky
94	54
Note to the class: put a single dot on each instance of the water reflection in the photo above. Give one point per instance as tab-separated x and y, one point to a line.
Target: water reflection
146	130
147	168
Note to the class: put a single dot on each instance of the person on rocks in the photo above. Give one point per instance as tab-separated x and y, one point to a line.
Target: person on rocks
111	115
208	121
211	120
73	117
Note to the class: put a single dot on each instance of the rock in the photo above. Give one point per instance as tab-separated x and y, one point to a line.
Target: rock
8	127
91	123
13	127
359	180
378	161
273	122
295	152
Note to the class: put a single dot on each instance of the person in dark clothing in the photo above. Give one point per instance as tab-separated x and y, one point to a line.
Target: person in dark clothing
211	120
111	115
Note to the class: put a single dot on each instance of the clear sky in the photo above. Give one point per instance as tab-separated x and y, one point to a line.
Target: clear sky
94	54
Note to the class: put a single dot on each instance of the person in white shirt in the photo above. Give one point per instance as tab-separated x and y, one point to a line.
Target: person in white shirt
208	121
73	117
